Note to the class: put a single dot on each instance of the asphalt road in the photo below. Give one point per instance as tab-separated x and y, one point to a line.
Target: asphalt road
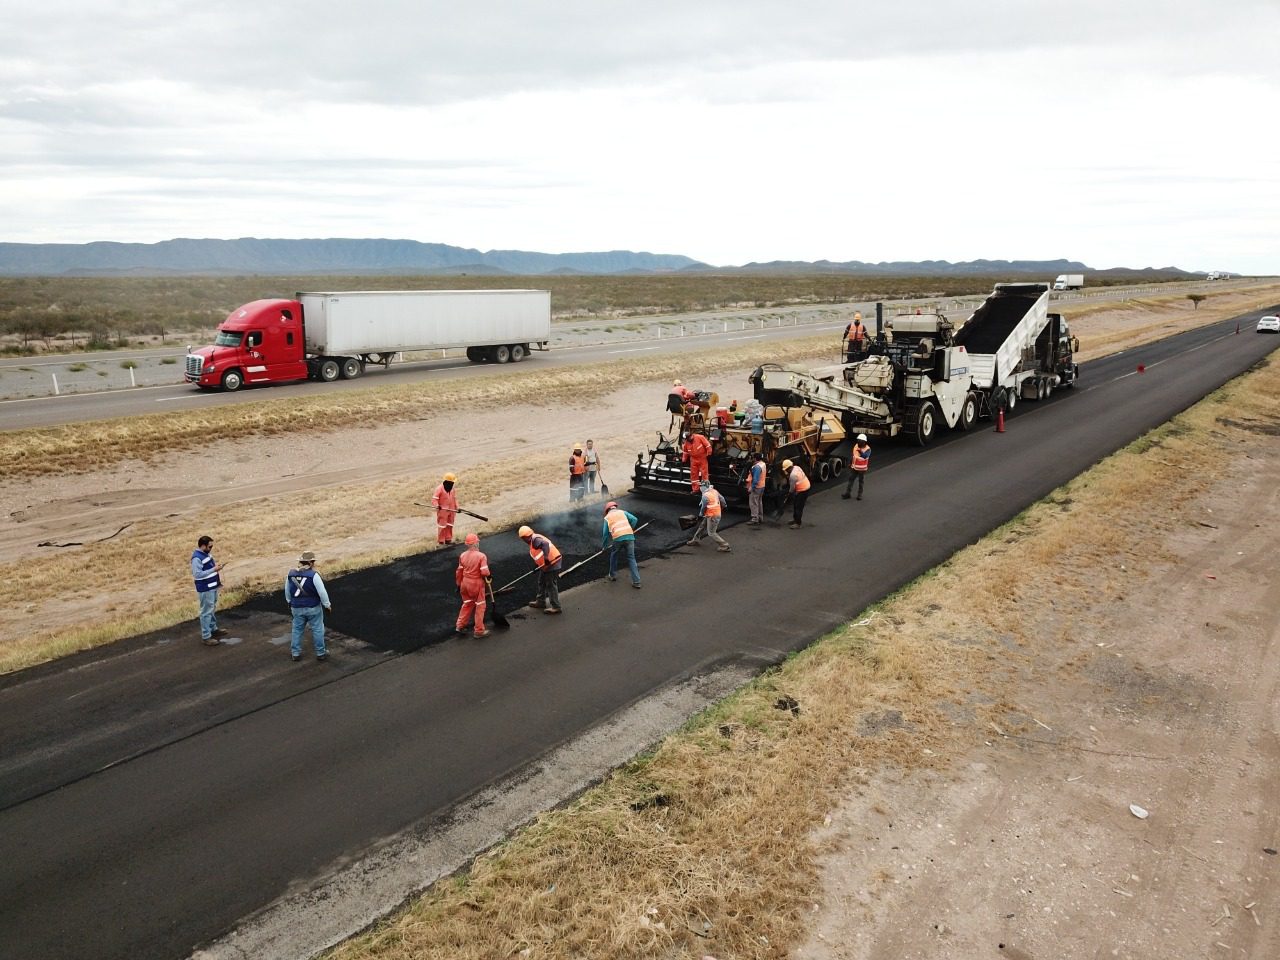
154	793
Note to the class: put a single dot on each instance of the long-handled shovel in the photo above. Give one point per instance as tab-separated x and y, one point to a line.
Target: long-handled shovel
604	487
418	503
499	621
782	507
510	586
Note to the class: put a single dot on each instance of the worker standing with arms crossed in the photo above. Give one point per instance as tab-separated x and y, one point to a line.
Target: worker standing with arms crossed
711	509
798	487
620	533
446	503
859	461
547	559
755	489
472	577
855	337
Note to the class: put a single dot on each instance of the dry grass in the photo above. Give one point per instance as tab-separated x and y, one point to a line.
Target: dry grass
706	847
81	447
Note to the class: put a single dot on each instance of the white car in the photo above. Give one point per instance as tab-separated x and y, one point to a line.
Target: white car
1269	325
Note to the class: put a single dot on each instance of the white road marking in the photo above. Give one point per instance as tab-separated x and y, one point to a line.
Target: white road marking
634	350
757	336
88	393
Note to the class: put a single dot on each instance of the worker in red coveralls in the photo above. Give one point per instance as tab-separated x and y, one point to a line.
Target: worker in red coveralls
472	577
694	452
446	503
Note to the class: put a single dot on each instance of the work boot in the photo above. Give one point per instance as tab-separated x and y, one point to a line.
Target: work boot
295	657
552	610
480	634
612	579
636	585
322	657
858	497
694	543
219	633
460	631
724	548
793	525
845	496
537	604
211	641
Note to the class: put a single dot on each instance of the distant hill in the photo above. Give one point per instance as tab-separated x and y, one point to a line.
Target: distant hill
250	256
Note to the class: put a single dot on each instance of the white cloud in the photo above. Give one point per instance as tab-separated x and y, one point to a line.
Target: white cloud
1135	134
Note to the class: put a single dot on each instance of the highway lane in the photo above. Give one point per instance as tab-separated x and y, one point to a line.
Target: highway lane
149	857
35	412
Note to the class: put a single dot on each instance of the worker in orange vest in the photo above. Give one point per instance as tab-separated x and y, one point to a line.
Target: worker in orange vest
577	471
798	490
855	338
859	461
547	559
446	503
472	577
695	450
711	509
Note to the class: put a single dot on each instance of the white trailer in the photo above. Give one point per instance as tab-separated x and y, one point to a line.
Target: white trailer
495	325
1069	281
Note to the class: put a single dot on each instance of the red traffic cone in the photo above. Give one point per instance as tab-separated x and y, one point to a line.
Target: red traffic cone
1000	420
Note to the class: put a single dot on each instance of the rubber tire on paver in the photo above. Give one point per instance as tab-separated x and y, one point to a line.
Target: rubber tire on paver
824	471
328	371
926	423
968	412
837	467
232	381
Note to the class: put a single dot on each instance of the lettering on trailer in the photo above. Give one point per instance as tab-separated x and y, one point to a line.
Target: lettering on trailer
959	370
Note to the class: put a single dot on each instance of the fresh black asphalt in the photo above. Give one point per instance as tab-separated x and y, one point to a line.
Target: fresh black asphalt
155	792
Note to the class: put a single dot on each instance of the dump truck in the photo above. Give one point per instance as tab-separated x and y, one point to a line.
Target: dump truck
919	373
332	335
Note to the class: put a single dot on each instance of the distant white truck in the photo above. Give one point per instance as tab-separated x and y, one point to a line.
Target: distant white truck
1069	281
1218	275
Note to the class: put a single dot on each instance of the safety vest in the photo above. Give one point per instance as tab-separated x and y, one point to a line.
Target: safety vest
619	526
713	502
755	479
472	565
577	464
861	458
302	589
207	563
857	332
543	551
800	483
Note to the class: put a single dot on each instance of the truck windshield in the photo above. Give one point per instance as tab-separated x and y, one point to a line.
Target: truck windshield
227	338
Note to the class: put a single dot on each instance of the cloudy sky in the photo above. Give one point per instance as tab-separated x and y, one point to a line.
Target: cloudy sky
1116	132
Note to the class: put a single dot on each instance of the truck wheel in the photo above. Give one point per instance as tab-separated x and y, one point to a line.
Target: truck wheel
475	354
926	424
1010	401
518	352
329	370
500	354
837	467
1048	388
968	412
232	381
824	471
351	368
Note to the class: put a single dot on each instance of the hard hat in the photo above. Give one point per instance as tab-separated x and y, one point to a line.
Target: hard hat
450	478
525	531
786	464
862	438
471	538
677	383
611	505
577	446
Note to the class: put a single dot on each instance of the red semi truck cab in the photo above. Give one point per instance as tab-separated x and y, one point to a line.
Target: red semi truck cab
260	342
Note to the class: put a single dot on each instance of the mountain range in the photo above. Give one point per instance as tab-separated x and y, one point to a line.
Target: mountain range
251	255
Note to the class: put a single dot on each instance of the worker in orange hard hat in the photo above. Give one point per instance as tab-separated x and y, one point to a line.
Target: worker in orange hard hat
577	473
546	557
618	535
855	338
472	577
446	503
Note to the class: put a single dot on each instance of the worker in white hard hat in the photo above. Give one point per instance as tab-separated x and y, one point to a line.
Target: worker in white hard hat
710	510
445	501
859	461
619	536
546	557
797	490
472	577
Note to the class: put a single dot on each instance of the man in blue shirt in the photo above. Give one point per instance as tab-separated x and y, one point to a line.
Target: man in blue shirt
619	533
308	600
205	570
